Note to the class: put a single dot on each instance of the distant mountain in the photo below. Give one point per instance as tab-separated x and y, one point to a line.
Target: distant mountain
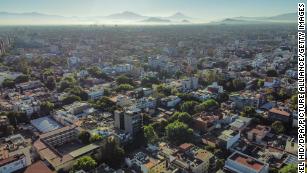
156	20
185	21
34	18
282	18
178	17
28	15
127	15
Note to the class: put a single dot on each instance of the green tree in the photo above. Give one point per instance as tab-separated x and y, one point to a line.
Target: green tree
46	107
85	136
150	134
149	81
222	97
178	132
105	104
123	79
50	83
111	153
159	127
97	73
21	79
188	106
248	111
95	137
78	91
70	99
124	87
291	168
293	102
8	83
219	164
272	73
182	117
206	105
162	89
260	83
67	82
85	163
278	127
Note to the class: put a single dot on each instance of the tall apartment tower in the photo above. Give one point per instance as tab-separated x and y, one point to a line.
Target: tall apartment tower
129	120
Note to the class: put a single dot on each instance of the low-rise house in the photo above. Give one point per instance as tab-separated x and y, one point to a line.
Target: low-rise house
240	123
27	105
146	164
228	138
258	133
14	153
215	88
193	159
70	114
276	114
12	164
29	85
291	146
203	95
241	163
170	101
146	102
96	92
204	123
8	75
185	85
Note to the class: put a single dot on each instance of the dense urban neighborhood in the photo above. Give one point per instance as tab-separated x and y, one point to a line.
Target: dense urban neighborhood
215	98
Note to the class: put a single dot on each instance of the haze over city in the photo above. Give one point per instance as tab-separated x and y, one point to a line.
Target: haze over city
151	86
96	11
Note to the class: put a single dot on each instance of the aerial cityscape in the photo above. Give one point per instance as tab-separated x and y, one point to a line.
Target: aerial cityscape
148	86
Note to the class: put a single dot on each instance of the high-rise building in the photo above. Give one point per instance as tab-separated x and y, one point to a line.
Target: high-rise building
129	120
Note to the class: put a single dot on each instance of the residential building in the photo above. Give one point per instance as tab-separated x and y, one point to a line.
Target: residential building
129	120
276	114
96	92
291	146
13	164
228	138
258	133
170	101
241	163
70	114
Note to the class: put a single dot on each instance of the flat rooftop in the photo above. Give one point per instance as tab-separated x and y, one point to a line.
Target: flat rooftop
247	161
45	124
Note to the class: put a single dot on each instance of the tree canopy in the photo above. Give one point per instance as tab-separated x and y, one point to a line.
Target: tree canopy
150	134
178	132
112	153
182	117
291	168
85	163
278	127
189	106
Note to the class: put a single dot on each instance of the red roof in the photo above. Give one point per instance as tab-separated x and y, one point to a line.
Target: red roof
280	112
247	161
185	146
38	167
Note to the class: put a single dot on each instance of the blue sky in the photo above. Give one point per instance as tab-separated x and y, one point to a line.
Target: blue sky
210	9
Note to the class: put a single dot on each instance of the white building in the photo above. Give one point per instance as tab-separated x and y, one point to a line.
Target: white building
228	138
96	92
13	164
241	163
8	75
73	113
170	101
